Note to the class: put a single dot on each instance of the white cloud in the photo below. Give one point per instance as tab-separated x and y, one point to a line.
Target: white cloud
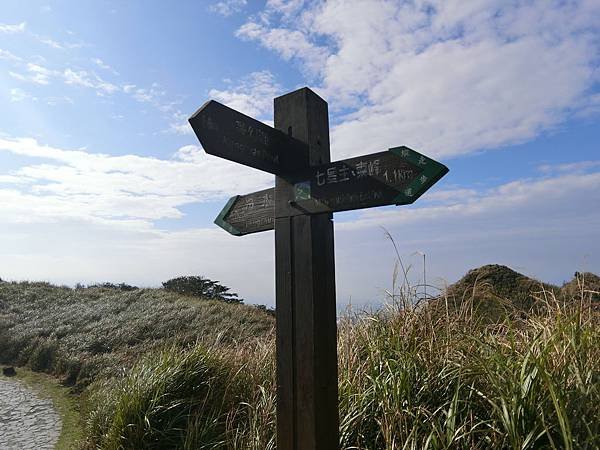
18	95
580	166
64	100
99	187
518	224
8	56
93	81
100	63
288	43
285	7
103	65
253	96
35	73
51	43
182	128
522	203
442	76
228	7
450	195
80	78
17	28
39	74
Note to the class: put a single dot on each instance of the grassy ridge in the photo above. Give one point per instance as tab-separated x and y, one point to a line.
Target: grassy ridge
428	377
200	375
81	335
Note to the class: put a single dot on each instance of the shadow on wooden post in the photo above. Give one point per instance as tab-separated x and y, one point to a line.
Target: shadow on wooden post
307	389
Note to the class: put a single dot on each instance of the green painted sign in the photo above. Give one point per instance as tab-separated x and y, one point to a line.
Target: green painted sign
246	214
398	176
395	177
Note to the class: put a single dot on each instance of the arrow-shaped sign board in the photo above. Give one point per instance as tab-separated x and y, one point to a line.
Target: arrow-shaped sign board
229	134
396	177
246	214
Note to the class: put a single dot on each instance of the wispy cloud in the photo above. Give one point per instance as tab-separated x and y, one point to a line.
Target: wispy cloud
62	100
51	43
8	56
575	167
34	73
18	95
228	7
17	28
89	80
40	74
100	63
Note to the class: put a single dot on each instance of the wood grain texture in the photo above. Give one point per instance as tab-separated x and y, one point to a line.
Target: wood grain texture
250	213
307	408
229	134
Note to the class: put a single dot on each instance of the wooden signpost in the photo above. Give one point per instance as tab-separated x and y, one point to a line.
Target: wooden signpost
308	189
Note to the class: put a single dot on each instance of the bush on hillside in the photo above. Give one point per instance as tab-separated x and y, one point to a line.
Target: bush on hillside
202	288
121	286
266	309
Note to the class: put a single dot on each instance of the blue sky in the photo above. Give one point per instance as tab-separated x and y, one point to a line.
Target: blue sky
102	179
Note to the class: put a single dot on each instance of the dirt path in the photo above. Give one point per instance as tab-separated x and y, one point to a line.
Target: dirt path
27	421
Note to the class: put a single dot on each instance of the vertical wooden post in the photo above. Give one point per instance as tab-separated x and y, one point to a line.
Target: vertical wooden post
307	388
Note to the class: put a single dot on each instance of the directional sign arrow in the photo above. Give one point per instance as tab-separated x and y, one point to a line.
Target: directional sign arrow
395	177
229	134
251	213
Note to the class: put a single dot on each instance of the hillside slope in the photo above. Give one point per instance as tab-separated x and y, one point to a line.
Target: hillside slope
78	334
586	284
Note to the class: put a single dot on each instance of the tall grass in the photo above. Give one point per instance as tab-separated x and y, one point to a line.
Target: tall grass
412	376
204	398
82	335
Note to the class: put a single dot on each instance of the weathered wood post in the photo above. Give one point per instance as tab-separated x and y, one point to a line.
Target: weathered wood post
307	384
308	189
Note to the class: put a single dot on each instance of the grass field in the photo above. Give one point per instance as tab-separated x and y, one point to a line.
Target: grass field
160	371
81	335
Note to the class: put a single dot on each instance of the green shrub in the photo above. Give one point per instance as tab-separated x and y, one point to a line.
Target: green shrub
202	288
